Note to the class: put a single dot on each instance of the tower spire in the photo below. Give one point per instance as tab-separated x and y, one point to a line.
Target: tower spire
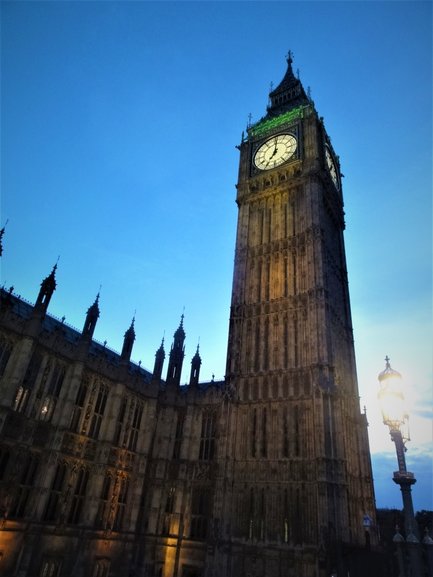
195	368
128	343
159	361
48	286
289	93
177	354
91	319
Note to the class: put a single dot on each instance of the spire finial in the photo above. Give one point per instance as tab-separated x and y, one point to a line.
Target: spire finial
387	359
133	320
289	57
55	266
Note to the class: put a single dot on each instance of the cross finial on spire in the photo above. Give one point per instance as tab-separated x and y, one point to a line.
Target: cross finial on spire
289	57
387	359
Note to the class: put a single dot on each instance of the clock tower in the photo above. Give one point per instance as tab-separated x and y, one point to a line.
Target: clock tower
298	479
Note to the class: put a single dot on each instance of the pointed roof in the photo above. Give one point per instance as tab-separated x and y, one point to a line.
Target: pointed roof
50	281
94	308
180	333
289	93
161	348
197	356
130	333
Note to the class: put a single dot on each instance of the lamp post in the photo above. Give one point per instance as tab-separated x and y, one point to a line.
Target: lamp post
394	416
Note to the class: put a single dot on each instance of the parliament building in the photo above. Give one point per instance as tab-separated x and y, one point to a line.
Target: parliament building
108	470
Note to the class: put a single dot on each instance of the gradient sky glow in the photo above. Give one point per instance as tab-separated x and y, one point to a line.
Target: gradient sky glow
119	122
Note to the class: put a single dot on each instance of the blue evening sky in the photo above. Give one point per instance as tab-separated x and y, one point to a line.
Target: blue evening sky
119	122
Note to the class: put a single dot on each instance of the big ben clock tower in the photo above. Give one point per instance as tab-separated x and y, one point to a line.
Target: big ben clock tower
298	476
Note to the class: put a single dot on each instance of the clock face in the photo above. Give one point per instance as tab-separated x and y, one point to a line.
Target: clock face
332	167
275	151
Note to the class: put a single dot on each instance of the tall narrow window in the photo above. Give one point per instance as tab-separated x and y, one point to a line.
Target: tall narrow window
264	448
101	568
179	434
52	510
269	239
98	412
169	509
207	440
296	427
266	346
79	406
119	422
200	512
5	353
24	390
297	528
25	485
53	392
268	280
169	504
135	426
78	496
262	225
257	347
262	514
285	433
254	433
285	517
259	280
286	343
251	515
122	498
104	503
50	567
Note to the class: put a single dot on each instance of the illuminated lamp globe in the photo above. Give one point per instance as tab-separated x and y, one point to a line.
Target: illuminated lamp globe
391	397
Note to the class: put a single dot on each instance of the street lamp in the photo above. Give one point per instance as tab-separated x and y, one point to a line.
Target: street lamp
394	416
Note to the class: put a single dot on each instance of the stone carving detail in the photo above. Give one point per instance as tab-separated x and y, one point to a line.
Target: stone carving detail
202	471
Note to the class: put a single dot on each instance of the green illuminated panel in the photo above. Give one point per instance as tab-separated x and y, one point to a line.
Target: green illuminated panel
267	125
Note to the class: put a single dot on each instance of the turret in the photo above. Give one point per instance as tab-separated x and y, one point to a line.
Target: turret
91	320
159	362
128	342
195	369
48	286
177	354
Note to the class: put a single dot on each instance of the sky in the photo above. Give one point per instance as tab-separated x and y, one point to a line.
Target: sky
119	122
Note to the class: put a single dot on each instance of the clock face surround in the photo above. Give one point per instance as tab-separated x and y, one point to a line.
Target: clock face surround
275	151
332	167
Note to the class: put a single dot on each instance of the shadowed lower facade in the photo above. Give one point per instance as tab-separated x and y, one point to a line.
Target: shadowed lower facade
107	469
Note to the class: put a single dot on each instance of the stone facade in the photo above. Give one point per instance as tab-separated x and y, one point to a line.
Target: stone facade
109	470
